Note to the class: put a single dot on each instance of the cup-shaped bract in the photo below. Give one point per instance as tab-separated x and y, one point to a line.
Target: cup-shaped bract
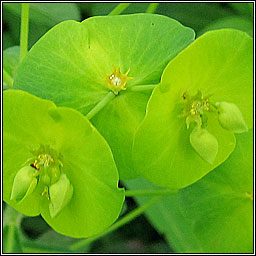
216	67
24	183
204	143
36	129
231	118
60	194
72	64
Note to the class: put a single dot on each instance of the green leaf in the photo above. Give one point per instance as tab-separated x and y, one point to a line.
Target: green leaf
243	8
10	64
235	22
86	158
195	15
8	40
42	17
220	205
47	13
166	216
11	240
11	59
219	64
178	11
70	63
49	242
11	231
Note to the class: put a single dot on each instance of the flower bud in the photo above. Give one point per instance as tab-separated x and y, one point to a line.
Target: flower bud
60	195
24	183
231	118
204	143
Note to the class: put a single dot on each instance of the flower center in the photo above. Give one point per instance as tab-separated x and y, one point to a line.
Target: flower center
44	167
116	80
195	108
47	164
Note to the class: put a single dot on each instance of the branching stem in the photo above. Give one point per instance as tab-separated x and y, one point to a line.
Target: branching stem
100	105
111	96
139	88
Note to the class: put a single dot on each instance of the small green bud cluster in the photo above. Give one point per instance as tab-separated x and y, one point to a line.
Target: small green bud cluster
195	109
46	168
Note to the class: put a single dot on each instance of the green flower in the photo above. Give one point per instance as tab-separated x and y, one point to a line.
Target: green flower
72	65
56	164
205	95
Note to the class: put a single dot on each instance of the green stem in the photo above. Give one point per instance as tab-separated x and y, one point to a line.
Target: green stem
139	88
152	8
12	219
10	243
24	30
7	79
119	9
130	216
30	246
130	193
100	105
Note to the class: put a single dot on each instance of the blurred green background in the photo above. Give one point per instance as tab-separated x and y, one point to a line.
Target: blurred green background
199	16
162	228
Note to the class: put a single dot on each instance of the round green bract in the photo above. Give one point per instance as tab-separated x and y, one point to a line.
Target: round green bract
29	122
69	65
219	205
220	65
